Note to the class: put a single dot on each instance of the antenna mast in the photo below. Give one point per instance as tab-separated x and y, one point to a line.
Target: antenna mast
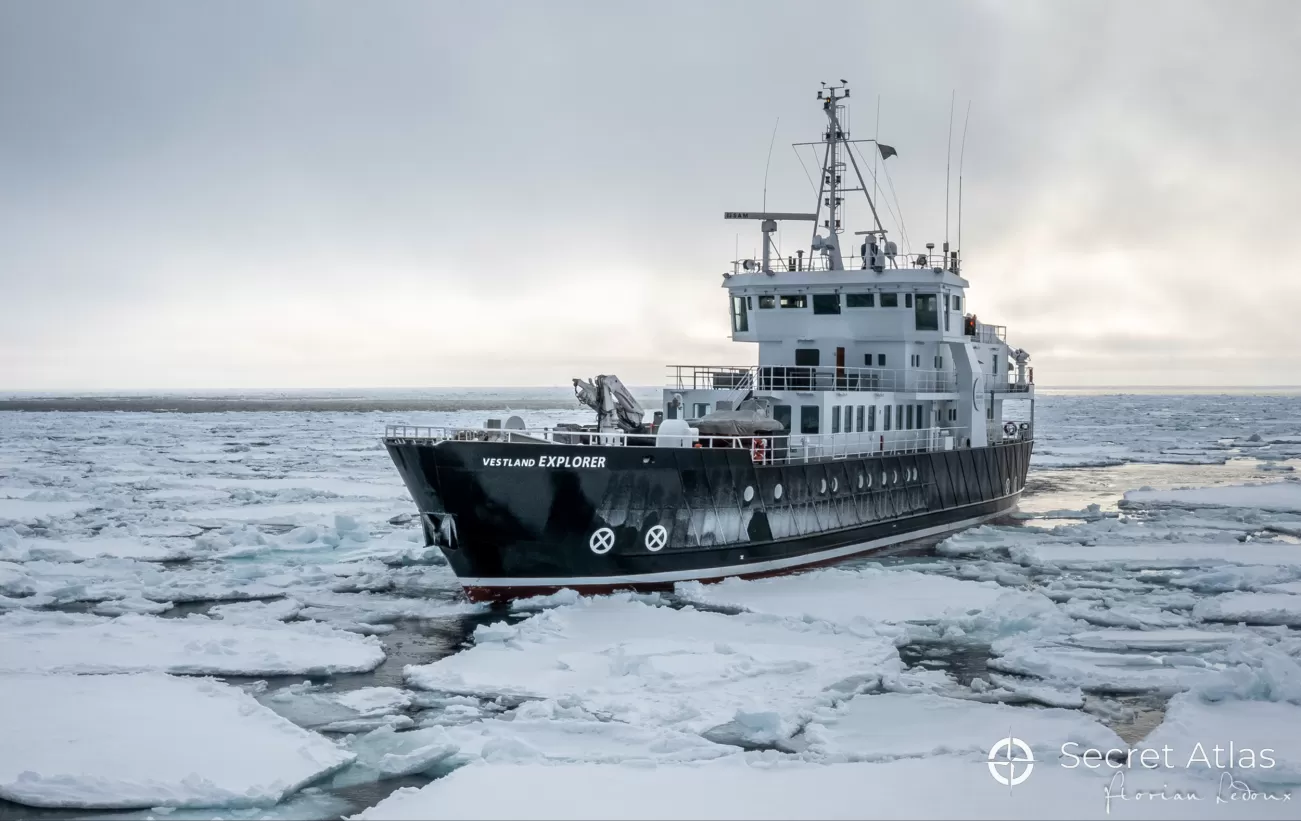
962	155
948	161
832	169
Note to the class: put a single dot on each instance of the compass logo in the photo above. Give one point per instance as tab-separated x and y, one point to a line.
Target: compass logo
1010	761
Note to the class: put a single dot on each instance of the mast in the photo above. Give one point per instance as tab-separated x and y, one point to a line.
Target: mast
832	169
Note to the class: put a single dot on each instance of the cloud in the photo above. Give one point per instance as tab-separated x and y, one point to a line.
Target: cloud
417	194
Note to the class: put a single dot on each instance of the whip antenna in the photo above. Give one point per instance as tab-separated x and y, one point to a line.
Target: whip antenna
962	154
948	161
769	163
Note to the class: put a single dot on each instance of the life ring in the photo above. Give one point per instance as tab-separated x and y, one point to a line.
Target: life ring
757	449
1010	429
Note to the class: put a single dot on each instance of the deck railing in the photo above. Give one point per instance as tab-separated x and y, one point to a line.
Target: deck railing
809	378
763	449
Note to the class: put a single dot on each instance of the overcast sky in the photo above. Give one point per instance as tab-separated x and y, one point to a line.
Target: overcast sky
338	194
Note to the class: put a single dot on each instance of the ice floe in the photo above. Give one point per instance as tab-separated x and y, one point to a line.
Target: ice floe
1215	737
1282	497
33	642
757	786
681	669
149	740
317	707
1252	608
891	725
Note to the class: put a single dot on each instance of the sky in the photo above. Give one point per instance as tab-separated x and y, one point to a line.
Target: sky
415	194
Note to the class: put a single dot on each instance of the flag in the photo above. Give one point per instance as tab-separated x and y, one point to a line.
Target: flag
886	151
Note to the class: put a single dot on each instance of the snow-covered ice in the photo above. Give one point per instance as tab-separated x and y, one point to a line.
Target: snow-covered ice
149	740
1231	735
1282	497
654	665
843	596
755	786
73	643
1252	608
293	533
893	725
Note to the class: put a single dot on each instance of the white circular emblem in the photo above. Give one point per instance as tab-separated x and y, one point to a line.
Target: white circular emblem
601	541
1004	758
656	538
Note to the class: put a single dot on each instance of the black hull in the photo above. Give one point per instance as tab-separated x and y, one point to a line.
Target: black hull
522	519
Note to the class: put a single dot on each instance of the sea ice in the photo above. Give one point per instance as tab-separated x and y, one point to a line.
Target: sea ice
683	669
319	708
149	740
1154	555
1170	640
548	731
1252	608
33	642
1245	727
761	787
1099	671
75	550
893	725
844	596
1284	497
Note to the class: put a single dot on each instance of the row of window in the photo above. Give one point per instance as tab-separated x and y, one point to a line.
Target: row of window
847	418
926	306
830	303
854	418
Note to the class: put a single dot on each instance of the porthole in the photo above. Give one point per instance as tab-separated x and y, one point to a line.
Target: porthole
777	491
860	481
835	484
1007	485
883	478
822	486
602	540
656	538
869	480
894	477
748	495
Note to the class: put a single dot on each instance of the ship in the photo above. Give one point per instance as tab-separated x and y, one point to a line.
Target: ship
880	412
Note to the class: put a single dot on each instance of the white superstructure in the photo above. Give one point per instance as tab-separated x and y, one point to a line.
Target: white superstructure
860	352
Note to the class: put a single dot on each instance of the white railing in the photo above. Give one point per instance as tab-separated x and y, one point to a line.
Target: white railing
783	449
1010	387
809	378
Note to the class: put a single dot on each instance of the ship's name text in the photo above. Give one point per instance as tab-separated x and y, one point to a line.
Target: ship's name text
546	462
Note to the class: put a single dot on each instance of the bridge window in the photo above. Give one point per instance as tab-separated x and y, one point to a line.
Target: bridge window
826	303
910	417
919	417
740	316
782	413
700	409
807	357
889	300
835	419
871	417
794	301
957	303
860	300
809	418
907	300
767	301
928	315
